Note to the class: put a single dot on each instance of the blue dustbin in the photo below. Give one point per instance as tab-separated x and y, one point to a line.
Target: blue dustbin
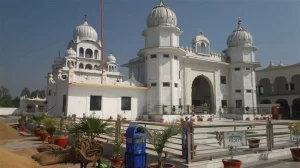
135	155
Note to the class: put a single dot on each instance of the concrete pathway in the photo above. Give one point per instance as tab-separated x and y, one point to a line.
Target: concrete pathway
285	162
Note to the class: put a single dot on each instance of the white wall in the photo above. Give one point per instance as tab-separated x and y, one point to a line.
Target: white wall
55	102
7	111
79	101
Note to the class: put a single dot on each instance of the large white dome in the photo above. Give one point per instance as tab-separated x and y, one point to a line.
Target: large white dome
239	37
161	15
85	32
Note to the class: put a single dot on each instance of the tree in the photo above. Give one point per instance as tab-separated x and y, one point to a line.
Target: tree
5	97
38	93
42	94
25	92
16	102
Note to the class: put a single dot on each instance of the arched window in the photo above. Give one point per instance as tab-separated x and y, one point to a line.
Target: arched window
203	48
68	64
96	54
72	63
49	92
88	66
88	53
81	52
96	67
81	66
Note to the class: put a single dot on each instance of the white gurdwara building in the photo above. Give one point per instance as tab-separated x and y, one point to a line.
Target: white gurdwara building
164	77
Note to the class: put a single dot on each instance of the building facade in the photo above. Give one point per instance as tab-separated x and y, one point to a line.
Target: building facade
164	77
280	84
194	75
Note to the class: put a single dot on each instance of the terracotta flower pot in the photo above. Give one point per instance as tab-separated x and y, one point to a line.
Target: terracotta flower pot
228	163
37	132
51	140
253	142
23	128
117	161
61	141
161	120
43	135
165	165
200	119
295	154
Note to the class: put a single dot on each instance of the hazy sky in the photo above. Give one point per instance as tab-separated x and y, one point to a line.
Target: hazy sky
33	31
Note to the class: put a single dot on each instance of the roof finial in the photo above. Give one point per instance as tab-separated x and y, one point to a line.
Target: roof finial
161	3
239	22
110	51
85	18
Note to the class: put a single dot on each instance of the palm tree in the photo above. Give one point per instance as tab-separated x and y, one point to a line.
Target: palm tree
159	138
92	127
37	119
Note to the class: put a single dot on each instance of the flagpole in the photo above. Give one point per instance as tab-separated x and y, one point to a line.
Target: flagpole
102	39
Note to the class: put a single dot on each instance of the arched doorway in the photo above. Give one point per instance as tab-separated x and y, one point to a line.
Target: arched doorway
296	108
202	93
265	101
284	105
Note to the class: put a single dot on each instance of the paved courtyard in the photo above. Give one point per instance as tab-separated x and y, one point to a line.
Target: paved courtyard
286	162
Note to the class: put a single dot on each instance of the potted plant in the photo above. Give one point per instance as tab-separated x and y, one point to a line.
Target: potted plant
253	142
159	138
139	118
230	163
43	134
37	119
206	108
210	119
61	139
295	129
48	122
91	127
149	118
200	118
22	122
182	120
117	159
173	110
162	120
110	118
247	118
254	114
51	131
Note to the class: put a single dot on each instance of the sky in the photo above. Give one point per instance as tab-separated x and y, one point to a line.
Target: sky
32	32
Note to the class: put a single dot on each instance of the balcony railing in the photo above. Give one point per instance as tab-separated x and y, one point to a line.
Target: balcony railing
176	110
248	110
190	109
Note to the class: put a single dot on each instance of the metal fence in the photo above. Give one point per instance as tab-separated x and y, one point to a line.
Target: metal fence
203	144
176	110
248	110
173	147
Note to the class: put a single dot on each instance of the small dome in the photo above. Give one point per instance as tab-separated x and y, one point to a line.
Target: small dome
239	37
111	59
85	32
58	60
70	53
161	15
200	38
